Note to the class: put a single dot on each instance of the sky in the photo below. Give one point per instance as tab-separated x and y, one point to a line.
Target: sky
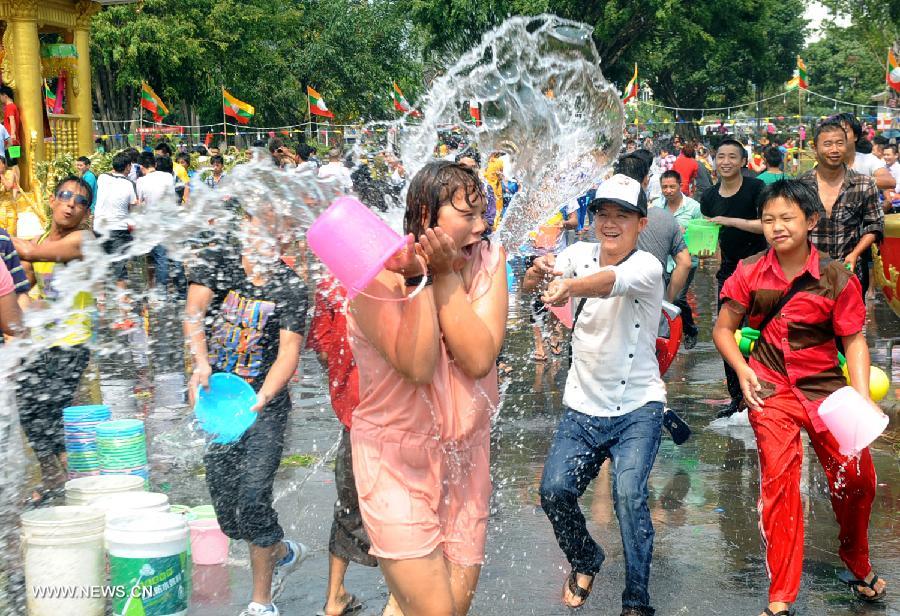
816	13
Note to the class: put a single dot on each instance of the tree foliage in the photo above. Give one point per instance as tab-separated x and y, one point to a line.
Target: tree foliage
263	51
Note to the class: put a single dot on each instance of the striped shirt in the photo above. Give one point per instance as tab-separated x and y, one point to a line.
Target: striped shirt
11	260
797	350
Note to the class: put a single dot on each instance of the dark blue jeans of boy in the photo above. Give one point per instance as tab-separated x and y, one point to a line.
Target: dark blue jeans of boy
580	446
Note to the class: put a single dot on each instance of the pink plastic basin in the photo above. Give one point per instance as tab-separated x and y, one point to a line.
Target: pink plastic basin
852	421
353	243
209	545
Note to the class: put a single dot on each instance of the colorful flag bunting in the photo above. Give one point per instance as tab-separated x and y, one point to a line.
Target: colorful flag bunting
317	104
237	109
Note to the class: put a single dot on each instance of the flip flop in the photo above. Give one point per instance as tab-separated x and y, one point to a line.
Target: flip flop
353	605
577	591
787	612
847	578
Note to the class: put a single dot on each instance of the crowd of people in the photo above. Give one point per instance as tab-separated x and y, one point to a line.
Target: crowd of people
412	363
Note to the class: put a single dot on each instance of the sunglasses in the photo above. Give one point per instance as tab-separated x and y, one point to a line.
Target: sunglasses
65	195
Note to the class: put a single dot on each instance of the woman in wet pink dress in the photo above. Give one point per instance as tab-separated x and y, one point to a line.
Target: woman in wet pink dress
428	389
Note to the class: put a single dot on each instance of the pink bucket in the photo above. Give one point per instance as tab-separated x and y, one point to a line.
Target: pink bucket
353	242
852	421
565	314
209	545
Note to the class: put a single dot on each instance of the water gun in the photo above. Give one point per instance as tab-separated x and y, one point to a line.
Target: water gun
879	383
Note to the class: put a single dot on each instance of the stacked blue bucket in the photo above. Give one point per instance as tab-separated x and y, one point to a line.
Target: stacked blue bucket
122	448
80	426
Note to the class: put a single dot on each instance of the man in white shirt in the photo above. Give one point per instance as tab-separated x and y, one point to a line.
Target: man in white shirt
864	163
155	188
115	198
335	169
614	394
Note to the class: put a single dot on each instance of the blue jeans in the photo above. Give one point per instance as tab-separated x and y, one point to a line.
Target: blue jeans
161	263
580	446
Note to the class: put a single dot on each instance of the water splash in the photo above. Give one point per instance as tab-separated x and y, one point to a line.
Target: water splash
544	101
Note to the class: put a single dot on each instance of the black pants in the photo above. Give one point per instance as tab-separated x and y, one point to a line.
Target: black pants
348	540
116	244
725	271
240	477
45	387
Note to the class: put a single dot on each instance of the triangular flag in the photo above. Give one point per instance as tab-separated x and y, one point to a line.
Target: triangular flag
631	89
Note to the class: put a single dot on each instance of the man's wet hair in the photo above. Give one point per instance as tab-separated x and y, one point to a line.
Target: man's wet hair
773	156
74	179
633	166
163	147
671	174
147	159
850	120
734	143
795	191
827	126
121	161
164	164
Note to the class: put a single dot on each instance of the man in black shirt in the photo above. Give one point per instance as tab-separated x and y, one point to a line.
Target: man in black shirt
733	203
245	315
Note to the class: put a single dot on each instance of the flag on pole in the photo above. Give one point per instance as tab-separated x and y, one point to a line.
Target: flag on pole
892	76
475	111
237	109
400	102
793	84
631	89
152	103
317	104
49	97
802	80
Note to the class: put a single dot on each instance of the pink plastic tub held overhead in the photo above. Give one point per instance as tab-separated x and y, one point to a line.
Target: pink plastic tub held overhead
353	243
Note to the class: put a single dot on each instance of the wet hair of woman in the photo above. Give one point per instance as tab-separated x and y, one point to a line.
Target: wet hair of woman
433	187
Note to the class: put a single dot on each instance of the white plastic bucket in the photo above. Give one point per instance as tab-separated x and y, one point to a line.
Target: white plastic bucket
852	421
127	502
148	555
64	551
83	490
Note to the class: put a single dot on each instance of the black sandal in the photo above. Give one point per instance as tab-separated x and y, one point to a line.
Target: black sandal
577	591
847	578
787	612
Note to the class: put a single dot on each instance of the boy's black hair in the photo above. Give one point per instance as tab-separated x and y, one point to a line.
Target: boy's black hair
892	146
183	157
163	147
133	154
633	166
773	156
85	160
791	190
217	158
671	173
147	159
5	89
734	143
828	125
880	140
121	161
164	164
75	180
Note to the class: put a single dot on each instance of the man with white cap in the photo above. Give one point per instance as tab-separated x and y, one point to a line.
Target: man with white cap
614	394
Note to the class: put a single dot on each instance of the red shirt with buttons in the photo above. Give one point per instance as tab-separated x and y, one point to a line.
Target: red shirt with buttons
797	350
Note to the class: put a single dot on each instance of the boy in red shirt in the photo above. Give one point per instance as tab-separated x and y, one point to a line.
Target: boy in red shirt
792	368
11	118
328	338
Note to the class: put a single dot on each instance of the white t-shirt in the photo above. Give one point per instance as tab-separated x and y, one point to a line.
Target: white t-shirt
154	188
4	137
895	172
339	171
115	196
867	164
614	367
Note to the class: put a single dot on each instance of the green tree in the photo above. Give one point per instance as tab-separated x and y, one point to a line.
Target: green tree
841	65
264	51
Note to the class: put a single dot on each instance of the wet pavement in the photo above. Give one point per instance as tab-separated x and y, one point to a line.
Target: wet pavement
708	557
